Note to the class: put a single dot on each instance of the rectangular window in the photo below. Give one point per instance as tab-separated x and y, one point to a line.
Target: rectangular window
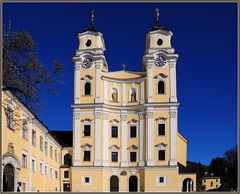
133	156
114	131
161	179
161	154
25	130
56	174
41	143
41	168
10	118
33	165
161	129
24	187
51	151
55	155
211	183
114	156
33	137
133	131
66	174
87	130
87	180
87	156
24	160
216	180
46	170
46	148
51	172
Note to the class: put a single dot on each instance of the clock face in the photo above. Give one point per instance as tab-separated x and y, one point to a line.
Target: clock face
87	63
160	61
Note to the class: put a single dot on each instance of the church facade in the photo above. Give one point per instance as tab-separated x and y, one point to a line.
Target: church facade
125	124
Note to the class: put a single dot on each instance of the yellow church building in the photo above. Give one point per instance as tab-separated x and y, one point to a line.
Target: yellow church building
125	128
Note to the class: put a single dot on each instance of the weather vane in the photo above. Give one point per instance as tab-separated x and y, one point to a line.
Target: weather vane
92	17
157	14
123	66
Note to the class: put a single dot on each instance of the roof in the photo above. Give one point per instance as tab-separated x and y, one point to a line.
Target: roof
157	26
184	169
209	176
124	74
64	138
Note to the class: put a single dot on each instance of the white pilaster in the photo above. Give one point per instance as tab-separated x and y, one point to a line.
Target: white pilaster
149	83
105	91
173	89
105	139
76	83
142	93
124	94
97	138
98	82
142	141
173	129
124	139
76	130
150	150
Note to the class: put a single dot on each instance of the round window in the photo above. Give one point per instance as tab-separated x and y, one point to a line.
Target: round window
88	43
160	42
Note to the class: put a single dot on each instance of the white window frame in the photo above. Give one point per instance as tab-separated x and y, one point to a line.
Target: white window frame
55	154
24	182
51	151
33	168
159	78
135	151
161	146
161	121
41	143
43	168
114	124
25	129
85	122
83	180
46	147
34	139
55	174
24	153
46	169
133	124
164	183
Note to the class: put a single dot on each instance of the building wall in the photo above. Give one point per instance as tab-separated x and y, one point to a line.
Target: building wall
211	183
35	180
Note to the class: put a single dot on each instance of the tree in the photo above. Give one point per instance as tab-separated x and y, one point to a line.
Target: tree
23	73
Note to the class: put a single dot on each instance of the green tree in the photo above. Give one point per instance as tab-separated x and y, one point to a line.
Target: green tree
23	73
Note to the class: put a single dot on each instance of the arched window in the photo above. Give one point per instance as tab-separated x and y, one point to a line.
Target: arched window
161	87
68	159
87	88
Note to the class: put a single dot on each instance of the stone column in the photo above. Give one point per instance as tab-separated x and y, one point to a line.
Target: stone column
124	94
98	83
97	138
172	77
76	83
150	150
105	89
124	139
76	130
173	132
105	139
142	100
142	140
149	82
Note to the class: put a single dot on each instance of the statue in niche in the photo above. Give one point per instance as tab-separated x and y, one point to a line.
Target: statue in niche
133	96
10	149
114	95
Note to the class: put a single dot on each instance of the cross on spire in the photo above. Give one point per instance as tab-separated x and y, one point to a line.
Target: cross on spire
157	14
123	66
92	17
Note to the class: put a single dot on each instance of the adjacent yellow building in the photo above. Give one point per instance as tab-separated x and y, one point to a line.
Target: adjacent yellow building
125	128
209	181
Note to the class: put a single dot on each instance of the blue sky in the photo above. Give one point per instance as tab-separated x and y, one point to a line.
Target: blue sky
204	36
